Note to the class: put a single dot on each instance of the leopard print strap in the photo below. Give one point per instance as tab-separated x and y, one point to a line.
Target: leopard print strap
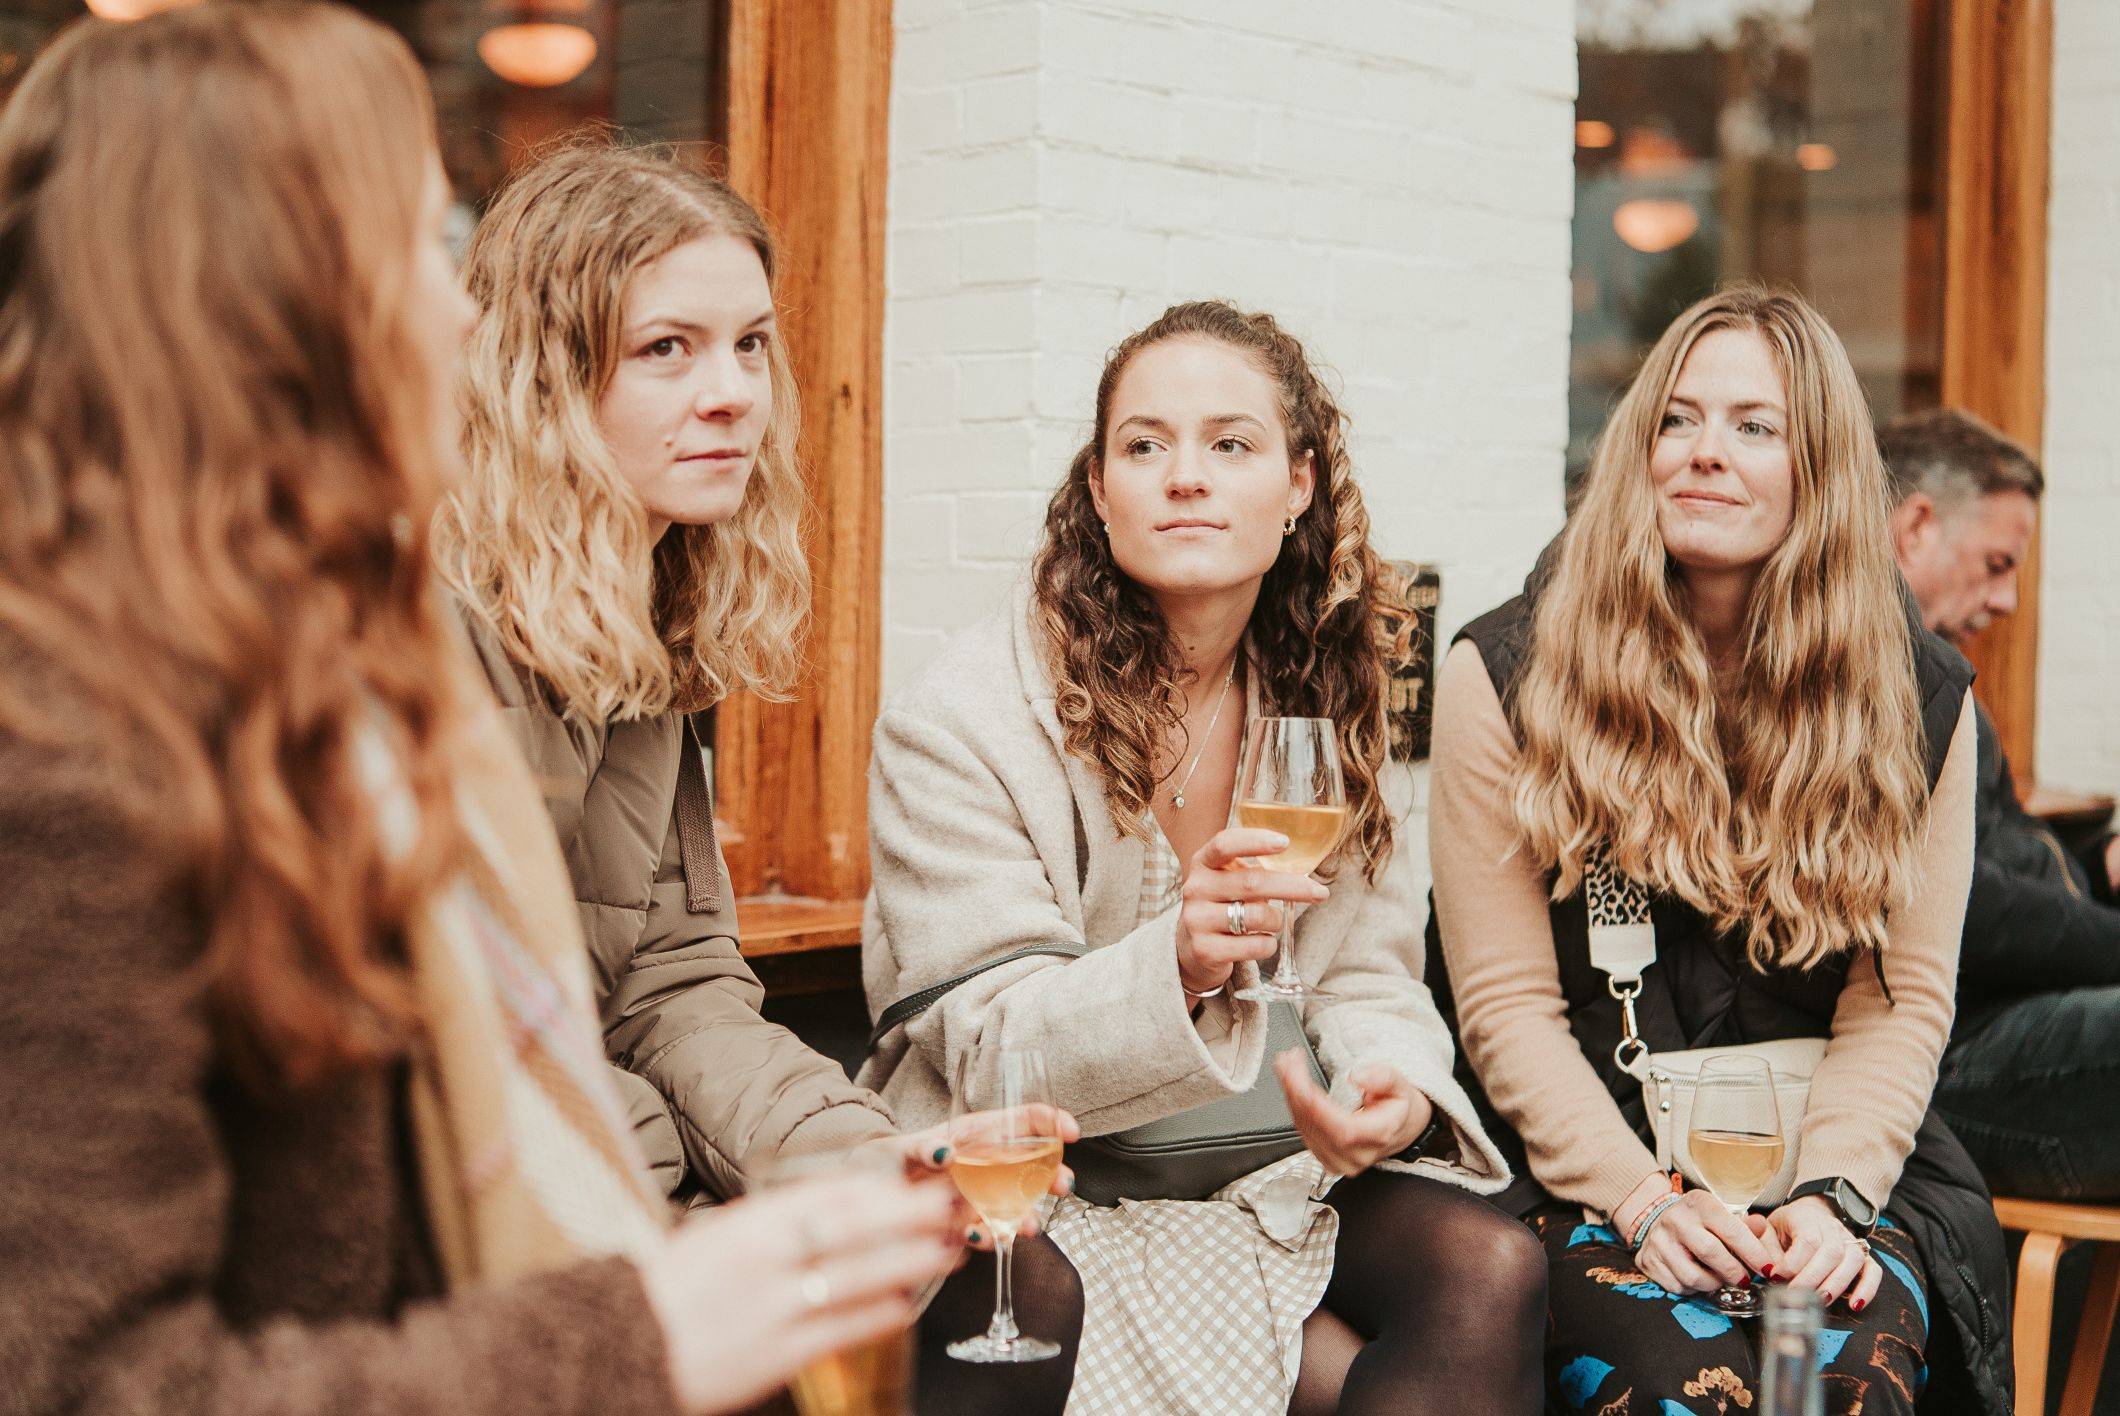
1613	898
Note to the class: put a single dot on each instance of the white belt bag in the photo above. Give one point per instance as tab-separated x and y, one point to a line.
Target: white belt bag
1622	946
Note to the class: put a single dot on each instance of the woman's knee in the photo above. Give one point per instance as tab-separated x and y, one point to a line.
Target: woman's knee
1498	1257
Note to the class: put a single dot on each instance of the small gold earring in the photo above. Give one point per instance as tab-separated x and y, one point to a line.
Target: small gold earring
1107	528
1288	528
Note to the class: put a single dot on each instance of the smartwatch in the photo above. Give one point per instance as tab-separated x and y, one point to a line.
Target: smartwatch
1853	1207
1436	1142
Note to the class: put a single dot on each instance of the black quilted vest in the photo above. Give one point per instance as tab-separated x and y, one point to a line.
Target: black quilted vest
1703	992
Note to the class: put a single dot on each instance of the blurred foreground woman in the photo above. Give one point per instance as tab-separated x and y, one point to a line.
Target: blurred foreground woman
301	1112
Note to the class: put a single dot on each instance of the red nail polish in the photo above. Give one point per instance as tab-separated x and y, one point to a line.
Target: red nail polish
1766	1271
1859	1304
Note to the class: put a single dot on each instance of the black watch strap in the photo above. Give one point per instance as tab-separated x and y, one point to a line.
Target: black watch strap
1853	1207
1432	1143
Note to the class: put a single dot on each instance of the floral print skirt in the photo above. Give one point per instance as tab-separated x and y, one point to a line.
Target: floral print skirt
1620	1345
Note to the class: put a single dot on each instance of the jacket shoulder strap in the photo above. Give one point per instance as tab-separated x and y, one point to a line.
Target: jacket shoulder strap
695	824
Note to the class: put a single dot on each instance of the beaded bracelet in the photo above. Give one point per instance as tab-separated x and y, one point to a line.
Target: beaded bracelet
1650	1216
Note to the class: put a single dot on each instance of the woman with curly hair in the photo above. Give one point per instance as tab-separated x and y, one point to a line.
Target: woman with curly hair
626	553
304	1107
1048	805
1711	764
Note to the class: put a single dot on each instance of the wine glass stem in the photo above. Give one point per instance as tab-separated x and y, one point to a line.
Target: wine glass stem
1003	1328
1284	960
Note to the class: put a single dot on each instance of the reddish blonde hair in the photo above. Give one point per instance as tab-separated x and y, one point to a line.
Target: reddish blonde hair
215	471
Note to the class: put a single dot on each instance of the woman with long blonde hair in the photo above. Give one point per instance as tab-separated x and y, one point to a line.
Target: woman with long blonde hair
1708	784
1053	865
304	1106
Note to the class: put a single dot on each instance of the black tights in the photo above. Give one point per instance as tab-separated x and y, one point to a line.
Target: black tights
1447	1296
1048	1304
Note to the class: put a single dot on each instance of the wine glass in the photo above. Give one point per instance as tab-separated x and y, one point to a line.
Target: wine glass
872	1378
1004	1154
1288	780
1734	1138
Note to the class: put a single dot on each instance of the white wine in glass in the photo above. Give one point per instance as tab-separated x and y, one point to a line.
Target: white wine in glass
872	1378
1004	1153
1289	781
1734	1137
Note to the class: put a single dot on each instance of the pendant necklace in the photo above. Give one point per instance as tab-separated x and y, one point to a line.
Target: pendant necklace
1177	798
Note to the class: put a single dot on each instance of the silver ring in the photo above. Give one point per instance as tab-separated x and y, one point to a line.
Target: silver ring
816	1290
1239	918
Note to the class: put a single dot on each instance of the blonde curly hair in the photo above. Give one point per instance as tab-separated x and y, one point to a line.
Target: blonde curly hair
545	540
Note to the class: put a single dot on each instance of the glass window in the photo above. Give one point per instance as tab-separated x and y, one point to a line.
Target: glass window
1795	141
508	76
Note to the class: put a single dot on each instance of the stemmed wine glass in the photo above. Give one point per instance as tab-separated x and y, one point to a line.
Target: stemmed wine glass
1288	780
1004	1155
1734	1137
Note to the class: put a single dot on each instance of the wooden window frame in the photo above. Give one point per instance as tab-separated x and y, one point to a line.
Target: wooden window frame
1999	119
808	83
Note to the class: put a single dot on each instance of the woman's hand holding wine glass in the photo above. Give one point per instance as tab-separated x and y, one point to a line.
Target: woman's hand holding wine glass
1231	908
824	1265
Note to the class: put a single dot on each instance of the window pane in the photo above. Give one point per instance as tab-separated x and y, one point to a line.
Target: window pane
1794	141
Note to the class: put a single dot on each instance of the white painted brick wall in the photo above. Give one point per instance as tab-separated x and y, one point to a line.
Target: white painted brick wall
2079	618
1392	178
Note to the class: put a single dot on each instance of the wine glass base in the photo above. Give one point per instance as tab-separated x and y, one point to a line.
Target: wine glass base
994	1349
1738	1302
1268	991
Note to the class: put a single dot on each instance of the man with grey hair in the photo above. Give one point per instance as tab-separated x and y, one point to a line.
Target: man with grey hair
2031	1079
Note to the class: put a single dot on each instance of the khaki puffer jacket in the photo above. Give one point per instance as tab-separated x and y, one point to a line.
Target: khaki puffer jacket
713	1088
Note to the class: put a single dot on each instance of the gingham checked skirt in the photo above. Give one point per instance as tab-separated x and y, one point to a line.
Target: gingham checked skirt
1196	1306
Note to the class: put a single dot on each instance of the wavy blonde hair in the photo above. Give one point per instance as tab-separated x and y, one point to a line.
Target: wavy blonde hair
1790	808
1324	634
544	539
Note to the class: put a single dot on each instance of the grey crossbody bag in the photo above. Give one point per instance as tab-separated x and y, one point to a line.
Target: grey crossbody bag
1187	1156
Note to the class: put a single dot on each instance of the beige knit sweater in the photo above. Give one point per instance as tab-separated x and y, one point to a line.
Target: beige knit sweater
1867	1098
988	836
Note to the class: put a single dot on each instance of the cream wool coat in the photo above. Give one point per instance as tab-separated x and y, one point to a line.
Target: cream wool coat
987	836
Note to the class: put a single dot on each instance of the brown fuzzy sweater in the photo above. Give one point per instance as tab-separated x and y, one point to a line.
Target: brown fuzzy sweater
170	1243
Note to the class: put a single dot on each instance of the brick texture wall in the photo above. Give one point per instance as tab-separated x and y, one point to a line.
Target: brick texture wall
2079	619
1392	179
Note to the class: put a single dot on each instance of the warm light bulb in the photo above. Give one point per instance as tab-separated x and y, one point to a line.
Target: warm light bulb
133	9
537	53
1654	224
1817	157
1594	133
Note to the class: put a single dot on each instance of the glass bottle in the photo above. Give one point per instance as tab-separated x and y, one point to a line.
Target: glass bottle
1789	1383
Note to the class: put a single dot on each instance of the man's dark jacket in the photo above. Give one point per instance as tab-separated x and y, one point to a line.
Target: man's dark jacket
2038	919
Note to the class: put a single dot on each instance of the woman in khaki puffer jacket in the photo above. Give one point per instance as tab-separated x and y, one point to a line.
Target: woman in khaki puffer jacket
625	553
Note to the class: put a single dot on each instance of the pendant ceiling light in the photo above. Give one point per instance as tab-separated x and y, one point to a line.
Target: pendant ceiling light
542	46
132	9
1653	225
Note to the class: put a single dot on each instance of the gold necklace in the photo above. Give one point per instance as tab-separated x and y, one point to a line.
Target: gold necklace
1177	798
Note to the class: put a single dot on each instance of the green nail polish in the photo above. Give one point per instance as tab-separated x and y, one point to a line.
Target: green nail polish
971	1236
942	1153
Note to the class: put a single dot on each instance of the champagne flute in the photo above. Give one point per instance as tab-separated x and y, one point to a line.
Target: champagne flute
1734	1138
1004	1155
1289	781
872	1378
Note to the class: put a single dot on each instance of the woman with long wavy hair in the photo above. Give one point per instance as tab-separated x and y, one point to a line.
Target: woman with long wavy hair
1048	806
1710	763
625	552
301	1113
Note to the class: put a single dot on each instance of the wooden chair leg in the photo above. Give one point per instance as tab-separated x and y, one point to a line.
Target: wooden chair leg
2034	1326
2100	1301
